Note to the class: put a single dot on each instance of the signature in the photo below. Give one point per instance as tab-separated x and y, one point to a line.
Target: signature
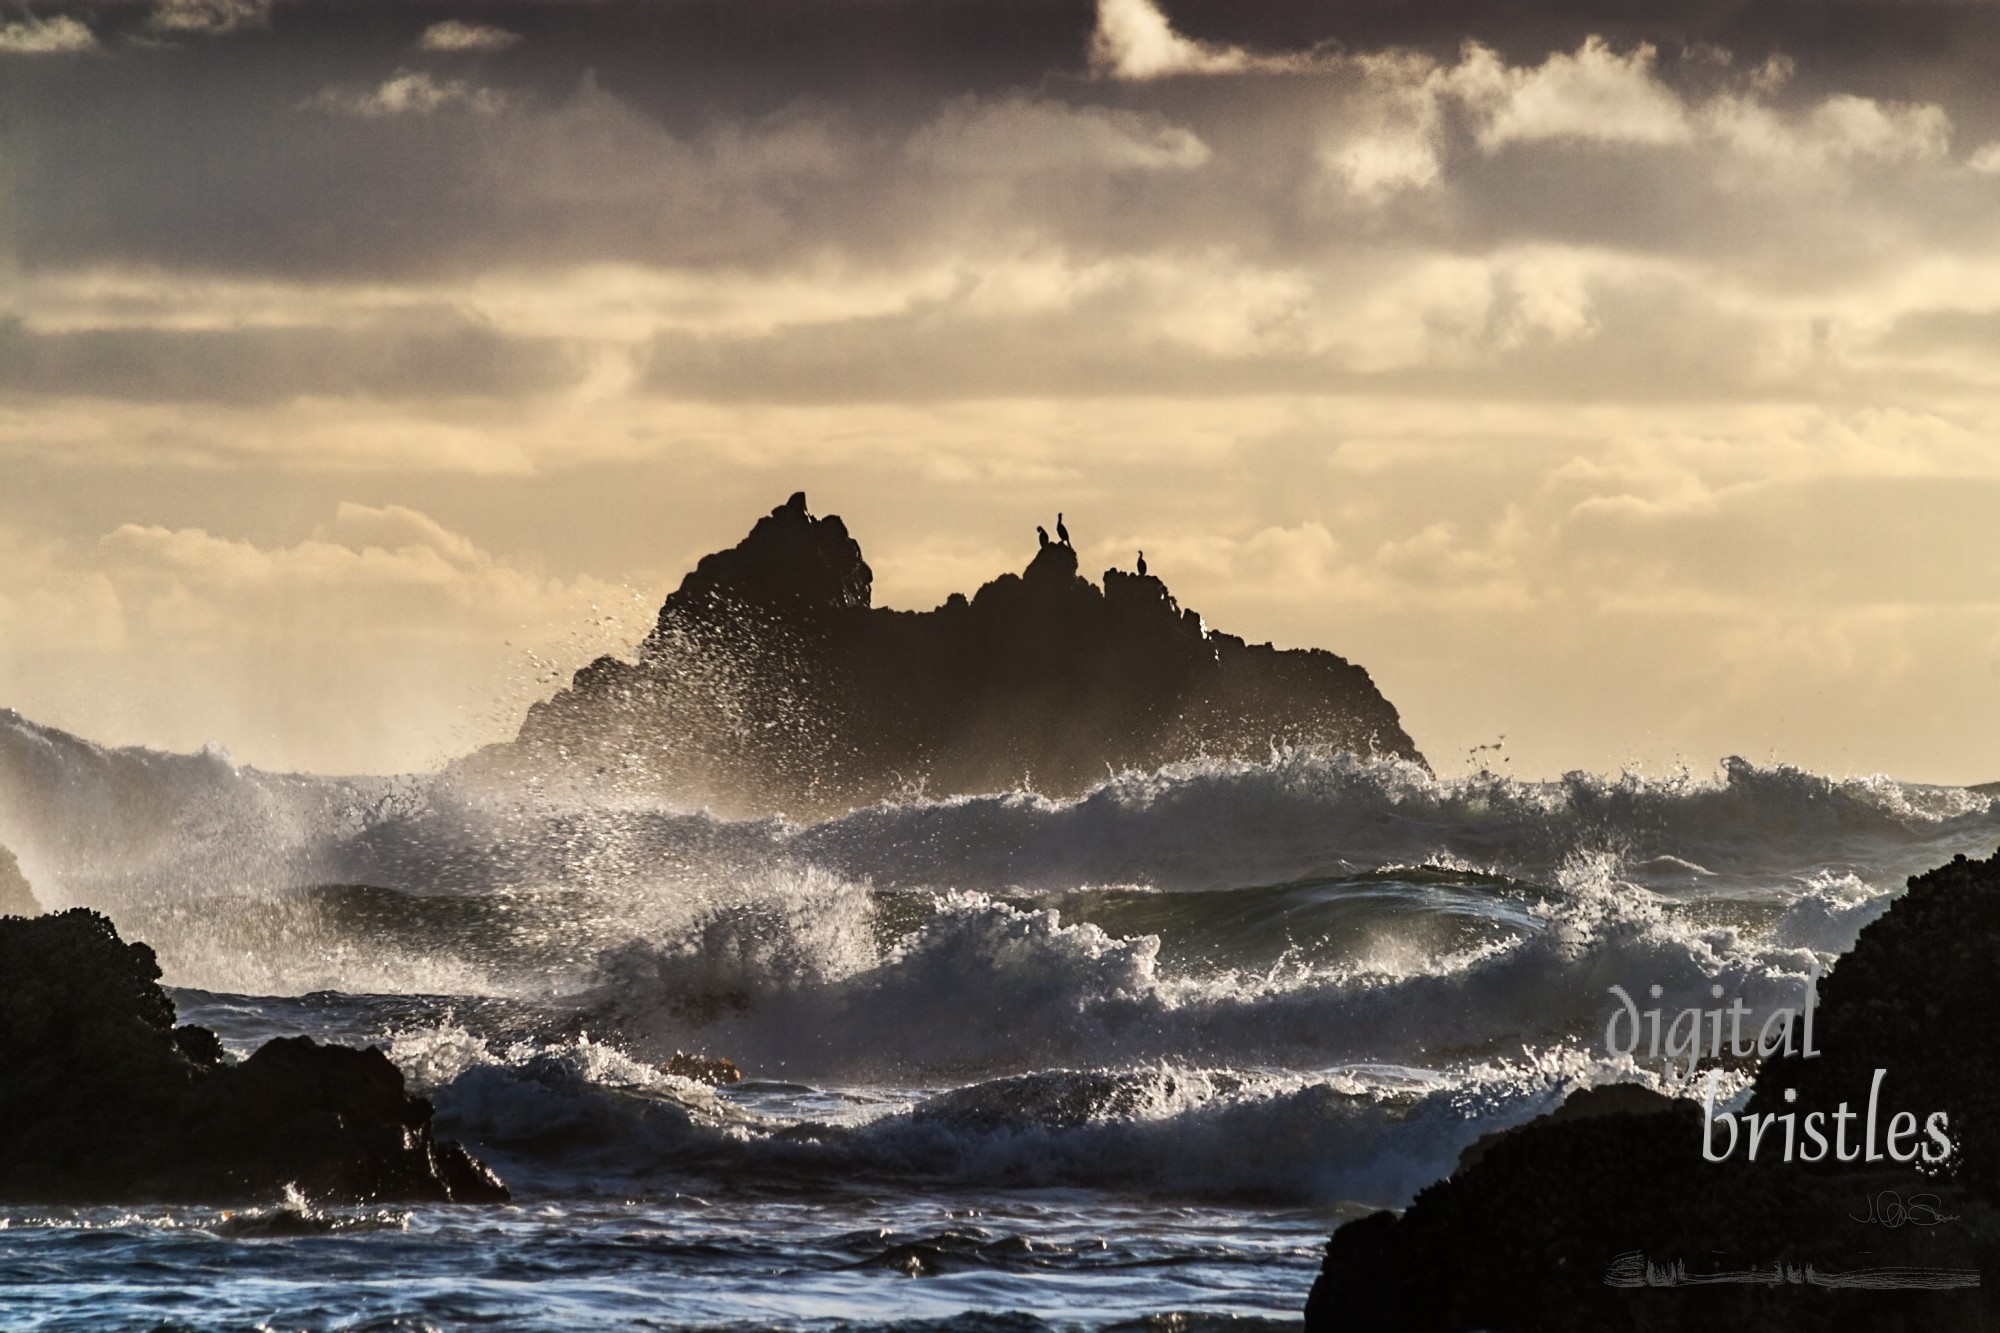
1889	1210
1633	1269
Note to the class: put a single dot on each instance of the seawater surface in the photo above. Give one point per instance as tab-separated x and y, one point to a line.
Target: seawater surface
1122	1061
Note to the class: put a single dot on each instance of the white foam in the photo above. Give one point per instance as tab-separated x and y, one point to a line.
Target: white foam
572	1116
765	940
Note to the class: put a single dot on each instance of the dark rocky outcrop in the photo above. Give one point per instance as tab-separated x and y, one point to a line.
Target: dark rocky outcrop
1526	1233
771	683
104	1100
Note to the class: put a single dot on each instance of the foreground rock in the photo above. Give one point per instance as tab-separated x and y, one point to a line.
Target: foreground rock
1607	1217
771	683
104	1100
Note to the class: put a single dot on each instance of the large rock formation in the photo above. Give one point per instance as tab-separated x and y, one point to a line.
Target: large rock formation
104	1100
1552	1226
771	683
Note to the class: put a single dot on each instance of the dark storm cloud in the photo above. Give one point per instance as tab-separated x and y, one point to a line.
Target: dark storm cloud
206	152
1393	182
1867	31
398	173
753	131
264	365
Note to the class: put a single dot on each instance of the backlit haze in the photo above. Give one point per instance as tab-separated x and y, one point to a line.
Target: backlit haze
1623	380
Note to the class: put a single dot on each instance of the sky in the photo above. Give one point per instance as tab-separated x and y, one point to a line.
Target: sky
1618	383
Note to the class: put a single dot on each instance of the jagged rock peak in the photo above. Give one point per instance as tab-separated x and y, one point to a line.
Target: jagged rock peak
791	561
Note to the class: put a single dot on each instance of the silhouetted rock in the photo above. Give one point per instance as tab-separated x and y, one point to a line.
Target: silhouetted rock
1916	996
770	682
1550	1226
16	898
104	1100
1583	1104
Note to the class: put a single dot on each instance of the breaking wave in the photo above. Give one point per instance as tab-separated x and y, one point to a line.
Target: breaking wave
581	1115
1311	979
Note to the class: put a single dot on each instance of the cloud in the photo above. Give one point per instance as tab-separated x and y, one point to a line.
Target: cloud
400	355
1593	94
1864	127
1599	144
458	35
1023	136
1926	330
47	598
389	547
1133	40
1797	543
1397	133
1840	129
57	35
1389	137
381	639
1034	326
1570	226
209	17
409	92
1524	322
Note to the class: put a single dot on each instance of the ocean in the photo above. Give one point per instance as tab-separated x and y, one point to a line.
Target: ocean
1009	1062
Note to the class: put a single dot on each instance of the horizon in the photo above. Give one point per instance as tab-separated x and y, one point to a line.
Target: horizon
1614	386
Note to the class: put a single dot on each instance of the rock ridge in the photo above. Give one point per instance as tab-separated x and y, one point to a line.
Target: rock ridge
770	682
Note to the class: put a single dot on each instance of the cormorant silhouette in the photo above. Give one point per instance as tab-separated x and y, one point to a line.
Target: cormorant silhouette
1043	533
1142	564
1062	533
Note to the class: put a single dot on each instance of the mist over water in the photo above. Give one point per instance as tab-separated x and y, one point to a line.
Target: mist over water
1266	995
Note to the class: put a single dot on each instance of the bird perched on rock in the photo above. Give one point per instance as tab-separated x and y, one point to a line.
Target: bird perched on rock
1142	564
1043	533
1062	533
